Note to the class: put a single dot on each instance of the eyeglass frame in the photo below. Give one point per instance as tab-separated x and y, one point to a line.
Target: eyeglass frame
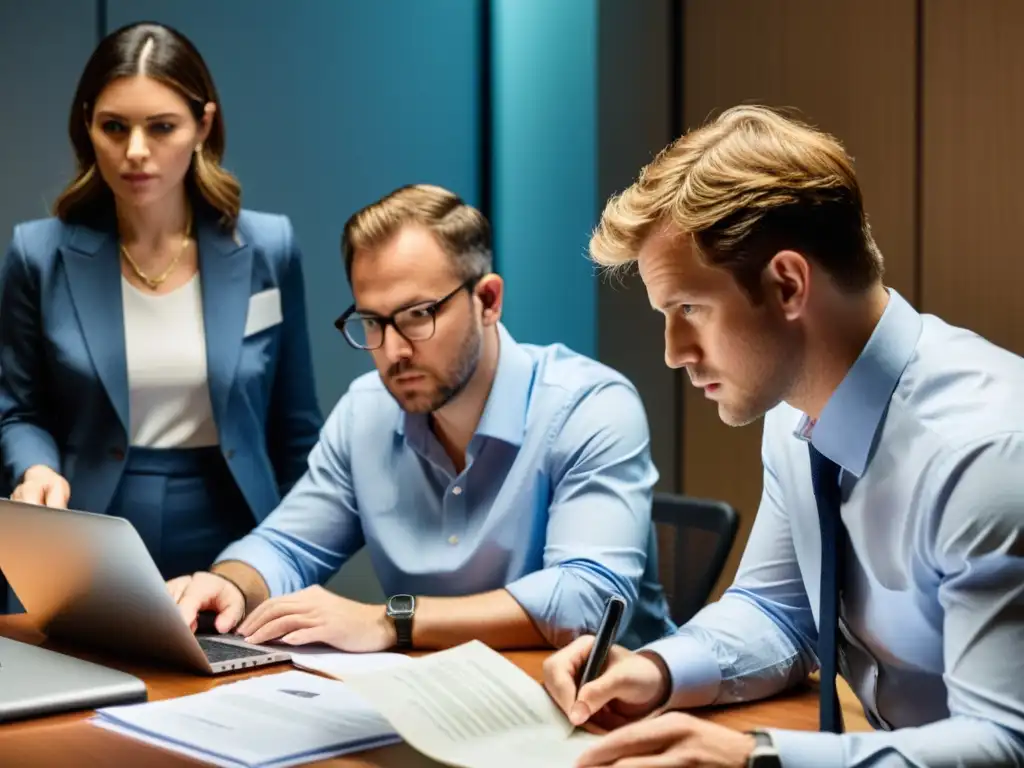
431	307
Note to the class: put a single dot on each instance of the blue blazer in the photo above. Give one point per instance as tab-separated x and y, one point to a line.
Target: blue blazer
64	378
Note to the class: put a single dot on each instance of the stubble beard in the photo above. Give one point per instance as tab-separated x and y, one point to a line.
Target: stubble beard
444	391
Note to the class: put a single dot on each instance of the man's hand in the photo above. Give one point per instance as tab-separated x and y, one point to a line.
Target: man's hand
671	739
42	485
632	685
205	591
314	615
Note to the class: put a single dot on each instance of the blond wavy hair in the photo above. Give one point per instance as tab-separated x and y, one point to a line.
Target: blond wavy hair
743	187
462	231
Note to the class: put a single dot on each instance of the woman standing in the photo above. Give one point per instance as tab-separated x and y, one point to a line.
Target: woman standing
154	357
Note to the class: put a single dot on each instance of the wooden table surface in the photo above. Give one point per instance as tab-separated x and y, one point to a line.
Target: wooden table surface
68	739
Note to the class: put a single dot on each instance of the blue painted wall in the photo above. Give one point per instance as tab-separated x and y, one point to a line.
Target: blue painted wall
545	166
328	106
43	45
331	104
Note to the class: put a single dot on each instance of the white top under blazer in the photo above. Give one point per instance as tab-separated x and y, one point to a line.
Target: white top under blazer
165	347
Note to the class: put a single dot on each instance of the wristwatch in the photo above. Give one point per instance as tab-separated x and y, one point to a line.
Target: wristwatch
764	755
401	609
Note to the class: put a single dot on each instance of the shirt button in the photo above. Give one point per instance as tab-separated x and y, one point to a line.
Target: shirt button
456	490
229	454
453	539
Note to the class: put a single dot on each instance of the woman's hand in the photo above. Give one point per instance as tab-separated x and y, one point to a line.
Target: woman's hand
42	485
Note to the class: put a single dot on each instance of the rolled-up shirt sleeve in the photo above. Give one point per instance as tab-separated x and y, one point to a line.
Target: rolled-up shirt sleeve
599	519
316	528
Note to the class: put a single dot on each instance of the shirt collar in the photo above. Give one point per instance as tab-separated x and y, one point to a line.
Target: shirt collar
504	414
845	431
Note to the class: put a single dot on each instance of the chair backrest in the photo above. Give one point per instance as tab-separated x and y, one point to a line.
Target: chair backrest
702	533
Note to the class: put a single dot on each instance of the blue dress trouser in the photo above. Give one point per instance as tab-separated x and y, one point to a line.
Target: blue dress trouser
185	505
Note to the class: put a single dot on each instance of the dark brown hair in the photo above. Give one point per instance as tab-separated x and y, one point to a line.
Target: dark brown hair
174	61
462	231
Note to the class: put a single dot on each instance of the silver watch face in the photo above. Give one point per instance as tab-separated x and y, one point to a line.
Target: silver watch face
764	754
401	605
762	739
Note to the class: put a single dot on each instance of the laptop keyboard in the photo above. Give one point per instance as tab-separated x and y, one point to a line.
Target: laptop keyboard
216	651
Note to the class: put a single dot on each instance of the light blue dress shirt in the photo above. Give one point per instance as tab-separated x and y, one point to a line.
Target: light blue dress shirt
554	503
928	427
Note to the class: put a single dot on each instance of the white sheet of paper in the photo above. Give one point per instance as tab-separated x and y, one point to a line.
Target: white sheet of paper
270	721
470	707
339	664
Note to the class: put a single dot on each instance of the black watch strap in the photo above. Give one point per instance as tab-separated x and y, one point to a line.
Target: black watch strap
403	630
401	609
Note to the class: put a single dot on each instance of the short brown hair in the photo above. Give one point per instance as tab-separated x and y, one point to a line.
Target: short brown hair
461	230
743	187
175	62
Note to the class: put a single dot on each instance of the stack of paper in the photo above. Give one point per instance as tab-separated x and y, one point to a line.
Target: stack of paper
263	722
467	706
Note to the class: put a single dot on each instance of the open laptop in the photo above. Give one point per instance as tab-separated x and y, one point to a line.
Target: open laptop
88	579
35	681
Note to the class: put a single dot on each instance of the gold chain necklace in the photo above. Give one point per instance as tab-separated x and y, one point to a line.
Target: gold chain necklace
156	282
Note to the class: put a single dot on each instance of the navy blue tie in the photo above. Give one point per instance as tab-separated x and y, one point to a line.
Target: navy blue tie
825	477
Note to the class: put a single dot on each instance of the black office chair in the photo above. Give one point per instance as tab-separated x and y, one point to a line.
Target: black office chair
703	532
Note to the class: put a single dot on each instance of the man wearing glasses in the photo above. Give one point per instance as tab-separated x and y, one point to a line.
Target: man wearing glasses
503	490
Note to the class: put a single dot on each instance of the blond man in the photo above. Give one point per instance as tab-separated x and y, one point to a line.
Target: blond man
888	544
503	490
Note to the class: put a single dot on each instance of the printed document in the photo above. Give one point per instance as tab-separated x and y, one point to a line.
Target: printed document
271	721
324	659
470	707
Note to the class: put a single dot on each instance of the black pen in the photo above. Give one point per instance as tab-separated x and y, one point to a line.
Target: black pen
603	642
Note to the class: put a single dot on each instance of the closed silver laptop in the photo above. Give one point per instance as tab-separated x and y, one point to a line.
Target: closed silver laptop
88	579
35	681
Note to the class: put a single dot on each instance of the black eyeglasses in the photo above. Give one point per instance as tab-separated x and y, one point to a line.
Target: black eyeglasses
415	323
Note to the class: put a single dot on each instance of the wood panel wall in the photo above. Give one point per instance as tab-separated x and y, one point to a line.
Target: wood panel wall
973	166
928	97
812	56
